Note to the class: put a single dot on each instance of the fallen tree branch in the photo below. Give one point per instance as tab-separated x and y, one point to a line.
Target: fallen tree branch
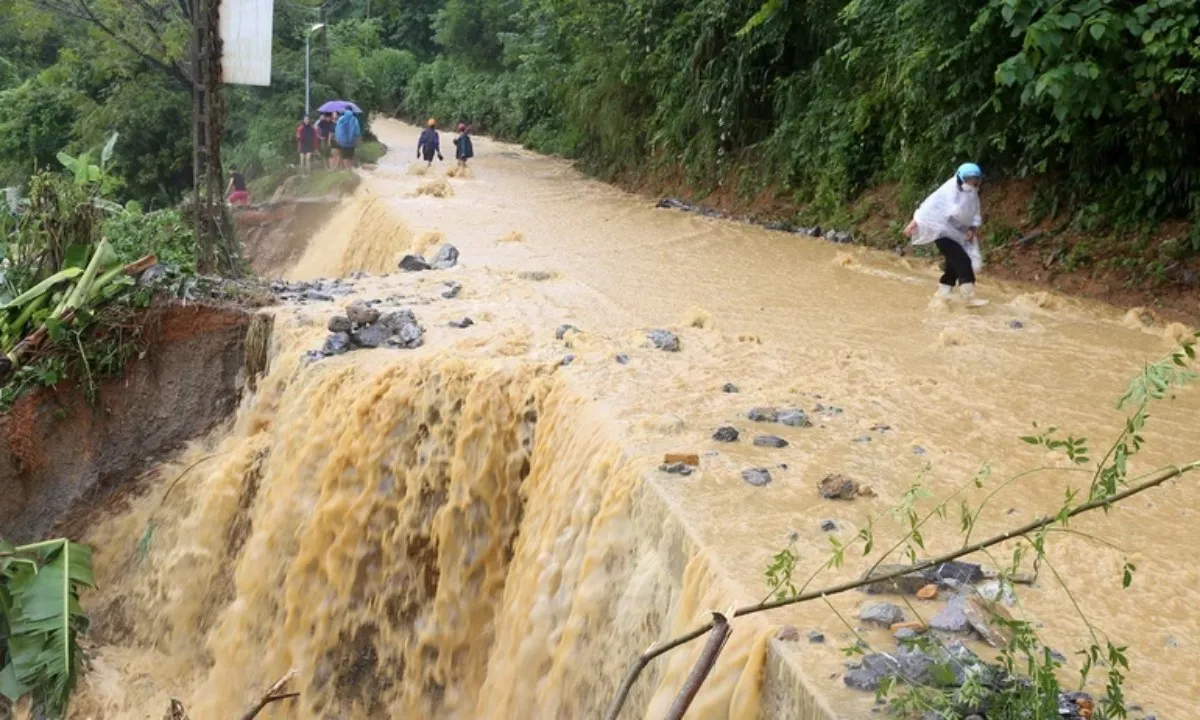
644	659
716	642
273	694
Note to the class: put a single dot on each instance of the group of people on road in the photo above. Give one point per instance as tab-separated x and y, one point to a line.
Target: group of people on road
429	144
334	138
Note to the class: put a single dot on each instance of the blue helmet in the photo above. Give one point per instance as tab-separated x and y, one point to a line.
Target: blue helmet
966	171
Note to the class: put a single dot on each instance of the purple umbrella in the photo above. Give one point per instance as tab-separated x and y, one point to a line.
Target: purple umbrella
338	106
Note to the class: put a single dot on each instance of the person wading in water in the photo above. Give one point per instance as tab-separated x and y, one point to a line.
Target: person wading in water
463	149
429	144
950	219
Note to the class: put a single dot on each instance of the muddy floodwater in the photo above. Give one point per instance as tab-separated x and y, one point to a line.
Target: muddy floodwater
478	529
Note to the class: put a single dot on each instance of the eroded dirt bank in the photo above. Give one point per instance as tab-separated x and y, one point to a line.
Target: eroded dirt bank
478	527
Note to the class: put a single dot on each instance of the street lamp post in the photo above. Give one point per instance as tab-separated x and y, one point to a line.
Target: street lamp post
307	65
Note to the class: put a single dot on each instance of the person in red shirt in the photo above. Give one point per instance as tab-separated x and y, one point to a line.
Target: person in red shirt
306	143
325	136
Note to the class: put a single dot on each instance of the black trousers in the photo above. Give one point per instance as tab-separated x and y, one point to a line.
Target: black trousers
956	270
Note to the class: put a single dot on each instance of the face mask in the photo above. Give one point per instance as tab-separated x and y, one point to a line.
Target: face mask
969	188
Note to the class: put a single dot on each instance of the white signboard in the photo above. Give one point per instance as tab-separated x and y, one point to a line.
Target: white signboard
246	37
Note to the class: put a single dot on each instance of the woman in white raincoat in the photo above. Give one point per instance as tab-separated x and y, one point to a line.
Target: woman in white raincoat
950	219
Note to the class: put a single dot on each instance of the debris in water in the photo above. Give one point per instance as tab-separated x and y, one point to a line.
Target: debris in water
437	187
567	360
686	458
461	324
563	329
360	314
453	288
1016	324
446	257
339	324
676	469
829	526
757	477
622	358
664	340
837	487
336	344
413	263
770	441
815	637
726	434
729	388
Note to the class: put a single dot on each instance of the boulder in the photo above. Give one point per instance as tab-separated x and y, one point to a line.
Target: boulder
664	340
770	441
371	336
881	614
562	331
726	434
729	388
445	258
453	288
953	617
336	344
907	584
758	477
413	263
837	487
763	414
360	314
339	324
462	324
794	417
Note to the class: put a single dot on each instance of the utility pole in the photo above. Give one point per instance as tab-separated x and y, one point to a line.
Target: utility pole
213	231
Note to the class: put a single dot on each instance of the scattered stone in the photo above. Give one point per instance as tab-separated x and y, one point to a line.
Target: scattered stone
1056	656
686	458
465	323
535	275
788	633
397	319
815	637
778	226
763	414
870	673
879	428
360	314
827	410
664	340
726	434
953	617
996	591
918	450
758	477
371	336
336	344
413	263
567	360
829	526
907	584
905	633
622	359
676	469
863	439
313	356
339	324
956	570
929	592
453	288
1172	642
359	275
411	335
881	614
842	237
729	388
318	296
794	417
770	441
837	487
1016	324
446	257
989	620
562	331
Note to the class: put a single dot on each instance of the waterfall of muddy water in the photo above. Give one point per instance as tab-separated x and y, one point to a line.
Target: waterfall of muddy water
474	530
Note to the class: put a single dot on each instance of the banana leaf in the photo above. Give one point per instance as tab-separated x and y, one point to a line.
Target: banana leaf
43	287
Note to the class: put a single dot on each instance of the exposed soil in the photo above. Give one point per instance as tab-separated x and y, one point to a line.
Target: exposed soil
275	235
58	451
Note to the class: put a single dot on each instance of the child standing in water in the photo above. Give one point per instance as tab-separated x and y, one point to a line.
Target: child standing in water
950	219
463	149
429	144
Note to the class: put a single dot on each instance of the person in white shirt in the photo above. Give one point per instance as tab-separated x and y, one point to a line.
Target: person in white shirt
950	219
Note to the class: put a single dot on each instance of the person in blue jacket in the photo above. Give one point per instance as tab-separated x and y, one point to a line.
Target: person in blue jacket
346	134
429	144
463	149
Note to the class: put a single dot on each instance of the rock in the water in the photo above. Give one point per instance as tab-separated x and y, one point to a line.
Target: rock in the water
336	344
413	263
462	324
881	614
953	617
339	324
929	592
664	340
870	673
918	450
788	633
563	329
677	469
397	319
996	591
726	434
567	360
842	237
1016	324
757	477
313	356
960	572
907	584
829	526
453	288
318	296
990	620
371	336
770	441
729	388
446	257
794	417
622	359
410	335
837	487
763	414
863	439
360	314
906	633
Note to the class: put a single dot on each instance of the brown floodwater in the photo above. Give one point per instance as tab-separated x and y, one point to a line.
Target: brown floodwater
472	530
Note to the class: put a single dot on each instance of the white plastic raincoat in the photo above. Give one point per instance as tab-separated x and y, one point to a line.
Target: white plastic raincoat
949	212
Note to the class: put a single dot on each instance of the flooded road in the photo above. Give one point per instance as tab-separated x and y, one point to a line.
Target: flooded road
898	392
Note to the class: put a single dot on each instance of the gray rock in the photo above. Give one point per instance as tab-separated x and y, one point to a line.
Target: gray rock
831	235
1172	642
906	634
842	237
664	340
413	263
318	296
794	417
956	570
371	336
918	450
313	356
907	584
729	388
567	360
151	275
763	414
562	331
677	469
829	526
870	673
863	439
410	336
360	314
953	617
446	257
757	477
1016	324
462	324
453	288
339	324
622	359
837	487
815	637
336	344
770	441
881	614
996	591
397	319
726	434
